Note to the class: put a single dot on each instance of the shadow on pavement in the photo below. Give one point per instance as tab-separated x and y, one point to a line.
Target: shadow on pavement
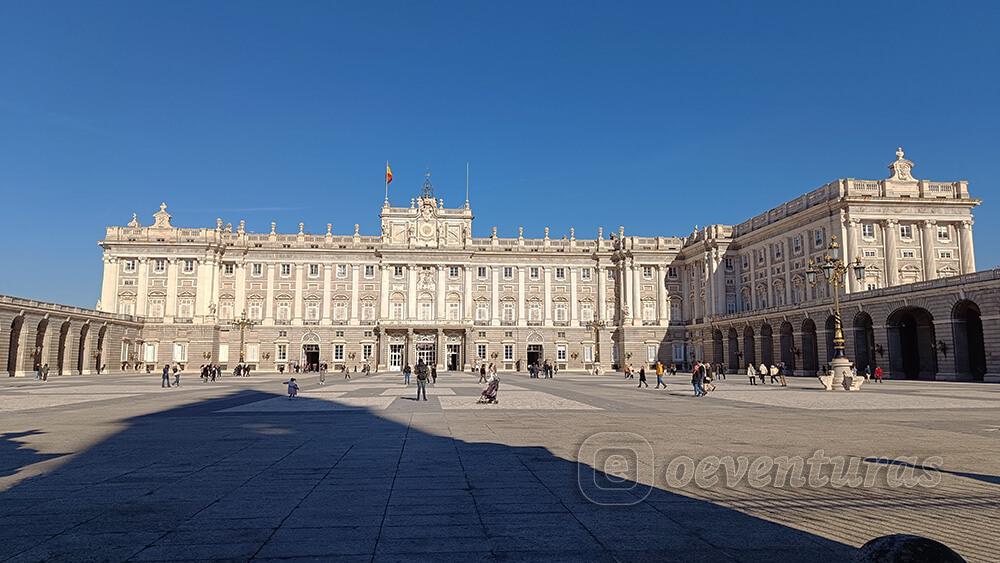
193	483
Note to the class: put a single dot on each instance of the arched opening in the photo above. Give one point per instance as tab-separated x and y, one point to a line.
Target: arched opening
810	349
14	349
82	351
749	346
40	351
912	346
99	352
61	367
734	349
767	344
970	345
829	329
864	342
718	355
786	341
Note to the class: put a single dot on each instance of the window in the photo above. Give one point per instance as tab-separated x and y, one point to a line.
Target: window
560	352
312	311
560	273
185	307
313	270
286	270
338	333
253	352
586	312
341	271
281	353
223	353
908	254
482	311
340	311
647	272
672	272
508	312
282	334
797	244
284	311
368	311
746	261
130	265
871	286
818	238
159	265
226	310
482	334
675	310
611	274
481	351
338	352
868	230
149	352
588	353
180	351
906	231
257	270
870	253
678	353
426	311
648	311
126	307
650	353
508	352
778	250
729	264
369	271
730	308
453	272
481	272
946	254
508	273
533	273
397	311
188	266
535	311
942	233
508	334
366	351
560	312
256	310
397	271
585	274
454	311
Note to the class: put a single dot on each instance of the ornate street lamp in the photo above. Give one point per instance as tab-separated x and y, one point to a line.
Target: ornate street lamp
243	323
834	269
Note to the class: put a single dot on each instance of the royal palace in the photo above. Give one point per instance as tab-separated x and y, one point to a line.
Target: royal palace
426	288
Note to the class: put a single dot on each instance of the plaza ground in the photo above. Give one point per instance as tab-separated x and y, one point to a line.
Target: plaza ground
96	468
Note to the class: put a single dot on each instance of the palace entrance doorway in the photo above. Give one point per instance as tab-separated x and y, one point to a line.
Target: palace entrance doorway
426	346
395	357
453	357
534	354
310	353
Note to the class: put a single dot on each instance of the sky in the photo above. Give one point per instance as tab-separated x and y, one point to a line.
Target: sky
656	116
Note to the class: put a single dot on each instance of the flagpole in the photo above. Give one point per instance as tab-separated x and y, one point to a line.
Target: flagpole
466	184
386	183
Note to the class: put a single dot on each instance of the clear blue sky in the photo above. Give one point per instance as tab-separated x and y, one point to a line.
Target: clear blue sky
652	116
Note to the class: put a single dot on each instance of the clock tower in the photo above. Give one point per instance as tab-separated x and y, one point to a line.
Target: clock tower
426	223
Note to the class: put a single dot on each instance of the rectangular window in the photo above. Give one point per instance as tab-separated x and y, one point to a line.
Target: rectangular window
870	253
338	352
453	272
561	352
533	272
159	266
228	269
560	312
253	352
397	271
942	233
481	272
130	265
482	311
223	353
868	230
281	353
397	311
257	270
650	353
872	285
180	351
313	270
586	312
906	231
746	261
647	272
908	254
508	312
560	273
368	311
648	311
481	351
818	238
729	264
508	352
149	353
678	354
585	274
672	272
369	271
946	254
286	270
454	311
508	273
588	353
341	271
366	351
797	244
777	250
188	266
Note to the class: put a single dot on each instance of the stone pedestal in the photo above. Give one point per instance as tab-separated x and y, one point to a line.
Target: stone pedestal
840	377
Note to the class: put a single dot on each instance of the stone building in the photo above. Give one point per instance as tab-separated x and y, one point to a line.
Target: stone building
425	287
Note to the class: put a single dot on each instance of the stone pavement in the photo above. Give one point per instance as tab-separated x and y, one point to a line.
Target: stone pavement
576	468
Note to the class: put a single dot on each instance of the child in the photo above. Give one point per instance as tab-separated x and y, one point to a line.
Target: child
293	388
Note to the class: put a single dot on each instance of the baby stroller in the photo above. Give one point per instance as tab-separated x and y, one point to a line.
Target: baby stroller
489	395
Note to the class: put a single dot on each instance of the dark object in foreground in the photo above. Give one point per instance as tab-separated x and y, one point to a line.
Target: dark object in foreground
904	548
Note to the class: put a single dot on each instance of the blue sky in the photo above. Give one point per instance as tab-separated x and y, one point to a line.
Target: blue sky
653	116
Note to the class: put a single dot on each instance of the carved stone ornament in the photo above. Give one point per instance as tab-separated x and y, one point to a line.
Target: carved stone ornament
134	223
901	169
161	219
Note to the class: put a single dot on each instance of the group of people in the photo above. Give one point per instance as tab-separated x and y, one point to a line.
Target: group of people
242	370
430	372
209	372
176	370
776	373
41	372
546	368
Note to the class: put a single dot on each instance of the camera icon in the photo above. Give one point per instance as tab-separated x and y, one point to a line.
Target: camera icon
615	468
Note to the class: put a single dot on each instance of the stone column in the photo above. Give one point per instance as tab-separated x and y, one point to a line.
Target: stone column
547	296
929	234
241	290
170	305
109	285
626	292
141	291
411	349
411	292
851	252
269	296
636	294
297	306
890	232
602	295
965	244
355	288
495	296
324	312
662	306
521	318
467	304
753	277
383	297
709	283
574	307
697	304
439	299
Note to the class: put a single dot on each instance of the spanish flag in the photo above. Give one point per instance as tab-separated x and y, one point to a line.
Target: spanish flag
388	173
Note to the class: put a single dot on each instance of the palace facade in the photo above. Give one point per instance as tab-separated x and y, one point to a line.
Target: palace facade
425	287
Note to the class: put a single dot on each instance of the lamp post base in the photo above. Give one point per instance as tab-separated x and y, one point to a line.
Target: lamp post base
840	377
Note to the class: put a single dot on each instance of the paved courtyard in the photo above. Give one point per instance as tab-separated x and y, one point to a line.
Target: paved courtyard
576	468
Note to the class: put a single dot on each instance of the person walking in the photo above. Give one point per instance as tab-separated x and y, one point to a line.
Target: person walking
698	379
642	377
293	388
345	371
165	382
752	374
177	375
868	372
421	371
434	375
322	377
406	375
762	373
659	375
782	368
482	372
773	371
878	374
45	372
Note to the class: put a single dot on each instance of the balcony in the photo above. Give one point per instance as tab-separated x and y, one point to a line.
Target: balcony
282	322
534	323
508	323
310	323
481	322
